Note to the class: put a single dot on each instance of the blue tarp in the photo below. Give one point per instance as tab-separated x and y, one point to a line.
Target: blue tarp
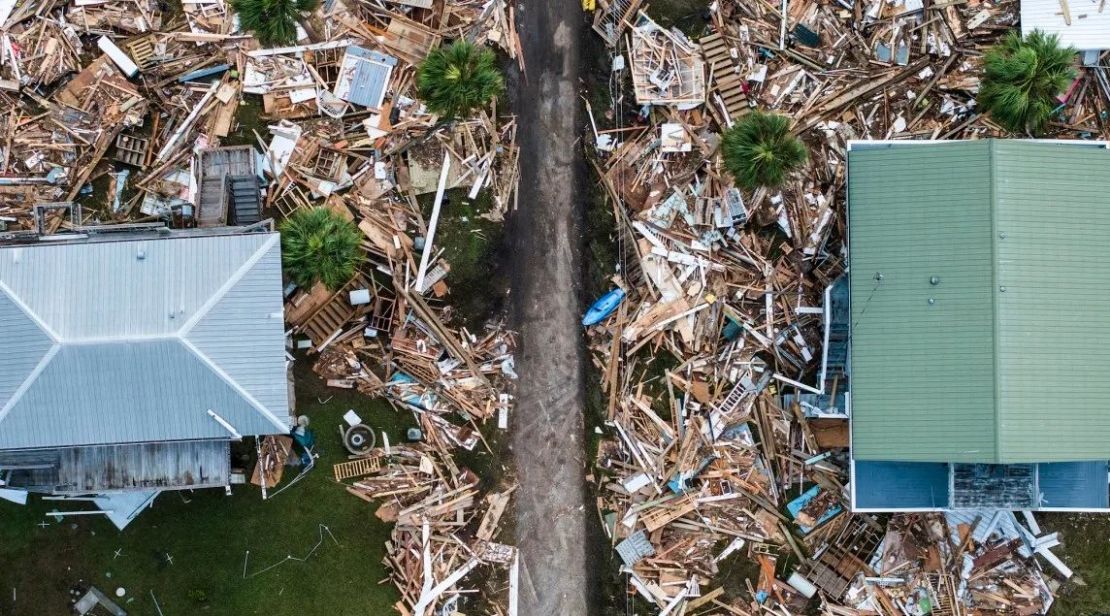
796	505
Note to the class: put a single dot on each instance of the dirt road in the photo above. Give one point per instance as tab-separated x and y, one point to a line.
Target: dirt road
548	430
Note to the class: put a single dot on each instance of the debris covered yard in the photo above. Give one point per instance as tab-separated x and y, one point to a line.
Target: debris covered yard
806	373
259	348
249	249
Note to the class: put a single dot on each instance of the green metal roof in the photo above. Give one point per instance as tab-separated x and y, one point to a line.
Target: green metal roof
1010	362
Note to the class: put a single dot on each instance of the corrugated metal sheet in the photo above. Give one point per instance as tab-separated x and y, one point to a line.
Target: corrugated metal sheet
1052	219
1089	28
126	393
1013	230
364	76
900	485
922	374
254	358
137	359
24	346
1075	485
90	291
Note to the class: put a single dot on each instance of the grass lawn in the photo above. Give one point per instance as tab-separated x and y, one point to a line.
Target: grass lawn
207	534
1086	550
470	245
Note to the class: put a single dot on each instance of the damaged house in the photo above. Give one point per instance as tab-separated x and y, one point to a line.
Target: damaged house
132	360
980	325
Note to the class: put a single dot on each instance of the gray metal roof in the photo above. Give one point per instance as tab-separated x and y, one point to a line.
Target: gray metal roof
135	340
364	76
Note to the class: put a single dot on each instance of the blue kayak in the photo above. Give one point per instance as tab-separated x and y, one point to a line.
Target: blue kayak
603	307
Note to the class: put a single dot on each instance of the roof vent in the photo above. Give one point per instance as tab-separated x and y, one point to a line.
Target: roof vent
935	280
140	255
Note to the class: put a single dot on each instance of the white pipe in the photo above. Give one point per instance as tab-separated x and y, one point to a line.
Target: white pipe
514	584
172	143
223	422
435	218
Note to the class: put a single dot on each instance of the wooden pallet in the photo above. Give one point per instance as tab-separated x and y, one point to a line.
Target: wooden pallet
142	51
334	314
727	81
357	468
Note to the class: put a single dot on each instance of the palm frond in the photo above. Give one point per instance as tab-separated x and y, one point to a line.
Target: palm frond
760	150
319	245
459	78
1022	77
273	22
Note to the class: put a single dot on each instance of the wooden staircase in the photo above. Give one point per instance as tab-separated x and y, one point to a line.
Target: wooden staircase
245	199
728	78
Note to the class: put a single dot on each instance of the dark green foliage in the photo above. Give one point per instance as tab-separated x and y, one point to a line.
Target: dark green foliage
1022	79
319	245
459	78
273	22
760	151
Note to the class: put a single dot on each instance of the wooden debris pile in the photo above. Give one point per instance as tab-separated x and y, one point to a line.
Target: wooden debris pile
724	363
971	562
189	122
442	528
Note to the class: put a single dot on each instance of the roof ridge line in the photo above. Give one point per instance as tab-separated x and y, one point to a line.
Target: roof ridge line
17	395
31	314
218	371
227	286
994	291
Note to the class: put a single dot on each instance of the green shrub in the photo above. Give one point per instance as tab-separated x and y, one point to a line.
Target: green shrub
320	245
273	22
760	151
1022	78
459	78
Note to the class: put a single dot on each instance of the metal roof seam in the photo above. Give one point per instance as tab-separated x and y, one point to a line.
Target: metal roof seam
228	285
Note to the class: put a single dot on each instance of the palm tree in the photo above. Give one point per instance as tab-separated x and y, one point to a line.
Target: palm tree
1022	78
273	22
319	245
459	78
760	151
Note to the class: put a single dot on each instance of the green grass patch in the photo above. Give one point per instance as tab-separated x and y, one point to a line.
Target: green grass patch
686	15
1086	550
470	245
207	535
248	119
